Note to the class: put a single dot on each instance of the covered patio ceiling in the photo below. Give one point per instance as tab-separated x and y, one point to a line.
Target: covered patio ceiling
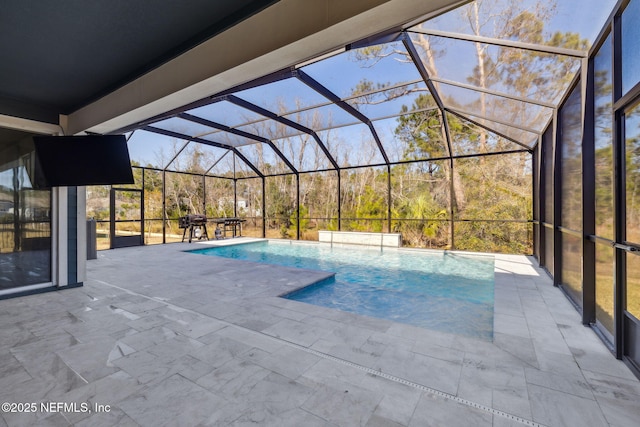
502	69
61	56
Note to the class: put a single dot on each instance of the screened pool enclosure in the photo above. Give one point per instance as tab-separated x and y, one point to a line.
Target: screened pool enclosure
497	127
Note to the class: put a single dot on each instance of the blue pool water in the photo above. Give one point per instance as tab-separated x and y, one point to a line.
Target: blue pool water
441	291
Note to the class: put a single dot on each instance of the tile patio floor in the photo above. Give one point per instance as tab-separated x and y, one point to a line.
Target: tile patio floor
169	338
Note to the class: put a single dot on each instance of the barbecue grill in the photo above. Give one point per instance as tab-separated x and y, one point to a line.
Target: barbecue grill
196	224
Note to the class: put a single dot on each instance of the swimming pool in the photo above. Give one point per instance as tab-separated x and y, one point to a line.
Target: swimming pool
435	290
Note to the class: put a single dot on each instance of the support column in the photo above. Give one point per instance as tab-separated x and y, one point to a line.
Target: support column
264	208
164	206
339	200
59	236
389	198
588	197
542	195
557	202
297	206
81	215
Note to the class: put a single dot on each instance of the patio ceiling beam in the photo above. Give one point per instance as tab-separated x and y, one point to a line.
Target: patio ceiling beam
27	125
552	50
204	141
494	92
205	122
477	123
271	115
280	75
315	85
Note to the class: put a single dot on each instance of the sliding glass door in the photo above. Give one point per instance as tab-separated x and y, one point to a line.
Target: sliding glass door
25	221
631	245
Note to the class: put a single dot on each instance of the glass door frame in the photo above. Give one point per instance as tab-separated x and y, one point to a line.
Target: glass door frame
627	325
30	251
125	241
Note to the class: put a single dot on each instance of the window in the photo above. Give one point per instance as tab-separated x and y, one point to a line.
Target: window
630	46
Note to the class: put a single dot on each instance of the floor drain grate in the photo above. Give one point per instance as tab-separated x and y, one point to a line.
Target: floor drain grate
412	384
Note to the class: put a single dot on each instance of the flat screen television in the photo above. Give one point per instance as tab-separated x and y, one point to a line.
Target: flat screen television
63	161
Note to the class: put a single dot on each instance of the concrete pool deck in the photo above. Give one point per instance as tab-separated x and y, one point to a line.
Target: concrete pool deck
168	338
